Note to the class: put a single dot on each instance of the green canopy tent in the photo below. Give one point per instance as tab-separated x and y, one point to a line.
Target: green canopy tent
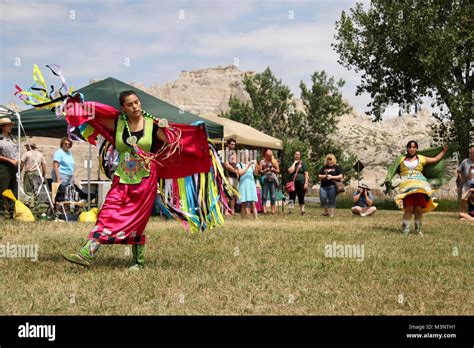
44	123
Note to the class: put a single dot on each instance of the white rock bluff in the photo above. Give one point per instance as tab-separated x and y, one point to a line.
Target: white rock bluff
202	91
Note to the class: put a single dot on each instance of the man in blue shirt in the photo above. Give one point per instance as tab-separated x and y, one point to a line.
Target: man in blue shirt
363	201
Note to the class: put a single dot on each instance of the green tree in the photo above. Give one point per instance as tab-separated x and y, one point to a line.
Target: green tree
272	111
410	49
240	111
270	107
324	105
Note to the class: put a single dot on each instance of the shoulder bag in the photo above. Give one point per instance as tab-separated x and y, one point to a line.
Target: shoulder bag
290	186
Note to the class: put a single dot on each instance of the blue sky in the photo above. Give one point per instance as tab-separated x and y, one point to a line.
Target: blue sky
159	39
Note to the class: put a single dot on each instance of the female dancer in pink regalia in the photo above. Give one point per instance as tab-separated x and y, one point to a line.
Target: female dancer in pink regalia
174	160
128	206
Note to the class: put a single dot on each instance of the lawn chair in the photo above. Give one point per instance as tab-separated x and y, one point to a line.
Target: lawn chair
60	205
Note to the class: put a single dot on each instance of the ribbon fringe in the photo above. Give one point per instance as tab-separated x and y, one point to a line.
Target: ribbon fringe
196	200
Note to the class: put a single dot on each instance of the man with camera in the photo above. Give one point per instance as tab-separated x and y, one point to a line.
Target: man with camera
363	201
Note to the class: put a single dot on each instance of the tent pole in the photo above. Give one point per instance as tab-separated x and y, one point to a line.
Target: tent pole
224	160
89	178
19	156
224	157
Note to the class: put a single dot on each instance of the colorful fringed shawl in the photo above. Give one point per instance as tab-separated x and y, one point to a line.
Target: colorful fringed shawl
433	172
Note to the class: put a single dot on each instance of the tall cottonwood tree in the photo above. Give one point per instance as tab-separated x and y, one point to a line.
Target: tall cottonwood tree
410	49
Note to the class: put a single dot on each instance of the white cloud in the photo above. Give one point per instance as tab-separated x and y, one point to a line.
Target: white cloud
150	18
293	52
13	12
158	43
300	42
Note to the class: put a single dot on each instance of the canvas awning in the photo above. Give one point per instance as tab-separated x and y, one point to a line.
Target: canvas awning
243	134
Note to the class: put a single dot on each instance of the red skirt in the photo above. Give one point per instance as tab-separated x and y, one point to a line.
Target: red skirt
415	200
126	211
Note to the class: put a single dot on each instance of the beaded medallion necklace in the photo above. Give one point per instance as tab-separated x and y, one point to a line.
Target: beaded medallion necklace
132	139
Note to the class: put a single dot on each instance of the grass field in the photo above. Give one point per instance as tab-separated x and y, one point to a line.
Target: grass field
274	266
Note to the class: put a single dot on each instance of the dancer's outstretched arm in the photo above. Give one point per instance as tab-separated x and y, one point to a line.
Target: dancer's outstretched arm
438	156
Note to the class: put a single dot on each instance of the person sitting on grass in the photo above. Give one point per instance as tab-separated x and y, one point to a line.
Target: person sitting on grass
469	198
363	201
